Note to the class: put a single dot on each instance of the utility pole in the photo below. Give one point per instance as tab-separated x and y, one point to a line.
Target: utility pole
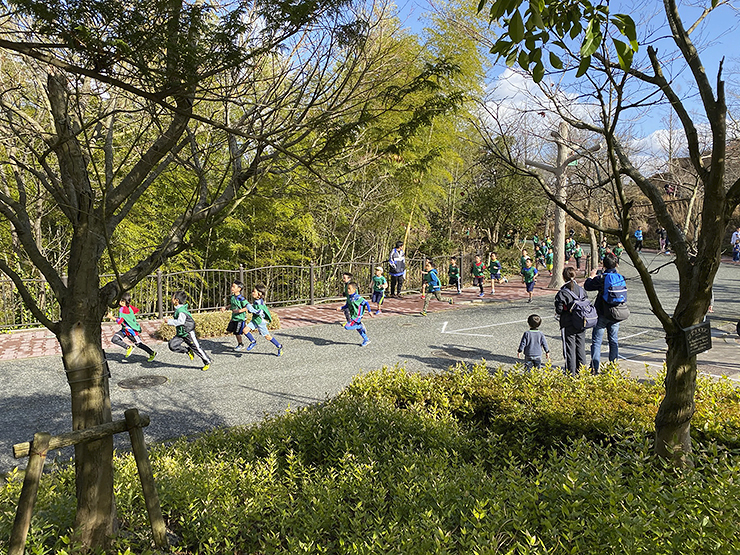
561	196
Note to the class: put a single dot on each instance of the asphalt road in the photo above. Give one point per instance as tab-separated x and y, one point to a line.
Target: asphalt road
318	361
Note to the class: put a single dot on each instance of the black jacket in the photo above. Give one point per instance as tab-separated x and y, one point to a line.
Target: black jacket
563	299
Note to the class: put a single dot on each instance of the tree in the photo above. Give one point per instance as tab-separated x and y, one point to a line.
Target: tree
111	121
603	50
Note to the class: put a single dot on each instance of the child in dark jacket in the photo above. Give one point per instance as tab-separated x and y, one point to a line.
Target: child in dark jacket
533	343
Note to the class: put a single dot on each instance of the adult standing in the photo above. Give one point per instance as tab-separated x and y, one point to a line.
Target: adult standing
571	332
397	263
735	236
638	239
662	238
611	306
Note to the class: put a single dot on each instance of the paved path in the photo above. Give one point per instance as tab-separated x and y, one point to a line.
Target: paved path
41	342
321	358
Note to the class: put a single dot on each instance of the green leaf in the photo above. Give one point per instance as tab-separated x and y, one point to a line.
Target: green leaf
523	59
555	62
535	20
481	5
576	29
511	58
583	66
538	72
537	5
624	53
516	27
593	38
626	26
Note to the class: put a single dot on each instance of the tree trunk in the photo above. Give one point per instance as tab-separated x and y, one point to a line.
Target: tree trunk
87	375
673	421
593	259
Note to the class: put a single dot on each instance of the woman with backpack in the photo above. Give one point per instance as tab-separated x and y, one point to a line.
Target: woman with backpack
572	307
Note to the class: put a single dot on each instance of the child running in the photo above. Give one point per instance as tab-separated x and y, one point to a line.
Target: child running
130	328
346	278
260	318
495	271
453	274
533	343
433	287
357	307
238	306
380	284
529	277
477	270
185	340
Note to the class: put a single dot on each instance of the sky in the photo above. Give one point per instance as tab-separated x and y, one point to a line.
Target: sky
717	37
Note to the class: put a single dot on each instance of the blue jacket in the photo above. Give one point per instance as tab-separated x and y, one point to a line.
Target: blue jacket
533	343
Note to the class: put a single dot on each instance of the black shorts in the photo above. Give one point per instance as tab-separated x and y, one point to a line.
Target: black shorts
236	327
377	296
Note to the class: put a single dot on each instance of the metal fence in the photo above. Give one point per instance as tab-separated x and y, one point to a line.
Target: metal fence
209	289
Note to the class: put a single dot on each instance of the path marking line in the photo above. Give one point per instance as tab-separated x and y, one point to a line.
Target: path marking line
635	334
444	326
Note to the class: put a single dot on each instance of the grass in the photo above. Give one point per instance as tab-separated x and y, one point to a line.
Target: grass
469	461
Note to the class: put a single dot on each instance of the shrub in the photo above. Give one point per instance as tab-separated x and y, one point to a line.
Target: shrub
210	324
410	463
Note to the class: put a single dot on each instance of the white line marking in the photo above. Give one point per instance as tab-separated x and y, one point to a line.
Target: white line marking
444	326
635	335
494	325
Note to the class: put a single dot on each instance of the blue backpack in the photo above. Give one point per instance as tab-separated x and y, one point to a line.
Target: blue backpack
615	289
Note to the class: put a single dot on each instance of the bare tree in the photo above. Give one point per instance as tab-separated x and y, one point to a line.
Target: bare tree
113	102
612	86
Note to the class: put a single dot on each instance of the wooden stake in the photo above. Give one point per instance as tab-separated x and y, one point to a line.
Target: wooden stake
28	494
151	498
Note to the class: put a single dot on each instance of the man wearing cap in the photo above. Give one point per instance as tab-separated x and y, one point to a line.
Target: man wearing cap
397	263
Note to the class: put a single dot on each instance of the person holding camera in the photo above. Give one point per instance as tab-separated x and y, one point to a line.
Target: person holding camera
611	306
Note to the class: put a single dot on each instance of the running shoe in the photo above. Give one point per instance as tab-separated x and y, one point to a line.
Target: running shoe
129	350
364	343
206	366
191	355
251	346
280	351
151	357
239	347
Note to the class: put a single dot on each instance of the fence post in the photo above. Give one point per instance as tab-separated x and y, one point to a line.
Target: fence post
241	273
462	266
160	300
311	280
28	493
151	498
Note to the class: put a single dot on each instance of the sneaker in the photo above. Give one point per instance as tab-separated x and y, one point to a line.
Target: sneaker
129	350
251	346
529	300
451	301
377	312
206	366
280	351
239	347
364	343
423	313
191	354
151	357
481	294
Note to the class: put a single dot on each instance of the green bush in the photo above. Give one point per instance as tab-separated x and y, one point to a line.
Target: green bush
210	324
409	463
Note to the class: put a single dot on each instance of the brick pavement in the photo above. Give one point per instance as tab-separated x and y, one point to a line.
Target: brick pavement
41	342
